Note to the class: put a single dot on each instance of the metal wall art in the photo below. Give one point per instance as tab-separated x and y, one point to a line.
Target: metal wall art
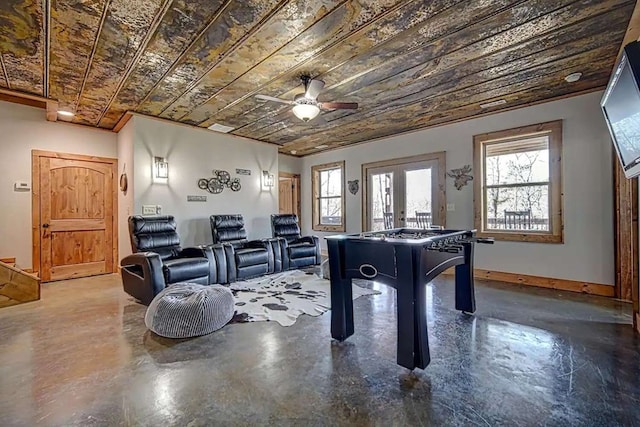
218	182
461	176
353	186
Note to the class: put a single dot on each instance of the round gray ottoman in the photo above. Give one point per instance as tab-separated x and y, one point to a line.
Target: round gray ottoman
188	310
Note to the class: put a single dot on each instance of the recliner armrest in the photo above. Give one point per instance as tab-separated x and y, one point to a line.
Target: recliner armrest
256	244
276	247
142	275
307	239
314	240
202	252
149	262
193	252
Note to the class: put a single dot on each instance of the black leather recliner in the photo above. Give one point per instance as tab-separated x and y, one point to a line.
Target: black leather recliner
297	251
159	260
245	258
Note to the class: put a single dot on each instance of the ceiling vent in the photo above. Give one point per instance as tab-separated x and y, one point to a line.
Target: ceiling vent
220	128
493	103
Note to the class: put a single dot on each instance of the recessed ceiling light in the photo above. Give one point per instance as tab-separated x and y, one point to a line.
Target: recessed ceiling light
322	146
574	77
220	128
294	151
65	113
493	103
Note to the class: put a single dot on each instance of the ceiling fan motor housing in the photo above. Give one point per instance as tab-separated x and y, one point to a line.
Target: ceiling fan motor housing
302	99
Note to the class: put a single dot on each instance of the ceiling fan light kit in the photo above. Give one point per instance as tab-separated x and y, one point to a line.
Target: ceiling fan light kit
306	106
306	112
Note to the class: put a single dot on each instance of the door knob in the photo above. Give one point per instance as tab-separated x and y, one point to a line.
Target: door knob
45	225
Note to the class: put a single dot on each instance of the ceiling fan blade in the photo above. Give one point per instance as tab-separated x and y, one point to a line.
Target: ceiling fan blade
338	105
313	88
274	99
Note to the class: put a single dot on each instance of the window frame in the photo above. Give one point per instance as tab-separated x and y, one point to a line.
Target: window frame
315	197
551	129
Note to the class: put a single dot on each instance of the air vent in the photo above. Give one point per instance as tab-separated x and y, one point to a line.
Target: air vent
220	128
493	103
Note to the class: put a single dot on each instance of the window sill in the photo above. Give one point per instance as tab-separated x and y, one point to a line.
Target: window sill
522	237
319	227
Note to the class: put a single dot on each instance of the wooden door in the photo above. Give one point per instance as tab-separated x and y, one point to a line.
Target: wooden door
289	193
77	232
285	195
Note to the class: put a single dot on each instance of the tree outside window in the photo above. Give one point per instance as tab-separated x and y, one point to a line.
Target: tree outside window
518	193
328	201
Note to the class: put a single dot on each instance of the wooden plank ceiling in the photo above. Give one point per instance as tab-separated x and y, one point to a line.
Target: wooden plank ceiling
409	64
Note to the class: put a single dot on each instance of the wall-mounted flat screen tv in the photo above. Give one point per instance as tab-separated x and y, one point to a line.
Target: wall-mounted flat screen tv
621	107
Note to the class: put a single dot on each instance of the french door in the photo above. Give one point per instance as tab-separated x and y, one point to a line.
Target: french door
408	192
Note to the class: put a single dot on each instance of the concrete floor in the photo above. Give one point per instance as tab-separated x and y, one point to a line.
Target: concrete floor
82	356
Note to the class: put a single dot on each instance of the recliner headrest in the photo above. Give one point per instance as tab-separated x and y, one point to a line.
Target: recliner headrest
228	228
154	233
285	225
152	224
227	221
284	219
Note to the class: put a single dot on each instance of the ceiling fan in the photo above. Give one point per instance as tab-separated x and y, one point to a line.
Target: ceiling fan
306	105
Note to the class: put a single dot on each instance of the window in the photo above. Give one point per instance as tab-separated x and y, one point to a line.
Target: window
518	188
328	200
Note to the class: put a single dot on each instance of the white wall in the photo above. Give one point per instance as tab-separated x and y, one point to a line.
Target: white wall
289	164
23	129
125	199
193	154
587	253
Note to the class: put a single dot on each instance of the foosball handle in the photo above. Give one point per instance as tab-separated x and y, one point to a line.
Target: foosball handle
487	240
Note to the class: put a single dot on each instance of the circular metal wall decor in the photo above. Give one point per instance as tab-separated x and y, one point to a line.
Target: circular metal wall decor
223	176
214	186
203	183
218	182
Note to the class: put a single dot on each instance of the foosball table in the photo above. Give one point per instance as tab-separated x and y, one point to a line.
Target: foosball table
406	259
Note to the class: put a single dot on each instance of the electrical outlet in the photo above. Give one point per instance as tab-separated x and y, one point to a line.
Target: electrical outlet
451	207
149	209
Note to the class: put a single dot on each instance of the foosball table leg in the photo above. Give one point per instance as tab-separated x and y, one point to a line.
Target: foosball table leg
341	295
465	295
413	338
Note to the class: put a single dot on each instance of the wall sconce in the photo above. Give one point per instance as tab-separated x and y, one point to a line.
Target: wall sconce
268	180
160	167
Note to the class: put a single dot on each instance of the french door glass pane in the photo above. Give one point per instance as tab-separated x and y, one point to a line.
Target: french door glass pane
381	201
330	211
418	209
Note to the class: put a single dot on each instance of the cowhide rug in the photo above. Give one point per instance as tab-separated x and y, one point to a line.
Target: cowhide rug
282	297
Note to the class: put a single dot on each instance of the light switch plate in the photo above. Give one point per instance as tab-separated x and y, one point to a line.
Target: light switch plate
149	209
451	207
